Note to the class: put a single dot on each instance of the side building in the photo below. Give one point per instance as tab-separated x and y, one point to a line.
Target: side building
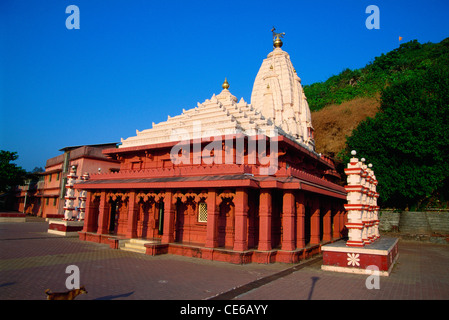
45	197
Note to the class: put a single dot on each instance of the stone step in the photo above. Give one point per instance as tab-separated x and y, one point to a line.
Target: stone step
140	241
134	246
137	250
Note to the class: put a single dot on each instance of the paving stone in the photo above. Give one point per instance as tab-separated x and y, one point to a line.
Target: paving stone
33	261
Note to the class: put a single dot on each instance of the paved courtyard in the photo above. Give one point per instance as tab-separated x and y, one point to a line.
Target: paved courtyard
33	260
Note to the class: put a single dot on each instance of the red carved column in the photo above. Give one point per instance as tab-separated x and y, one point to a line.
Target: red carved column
131	231
288	221
265	220
89	215
169	218
300	224
315	222
327	220
241	220
103	215
212	219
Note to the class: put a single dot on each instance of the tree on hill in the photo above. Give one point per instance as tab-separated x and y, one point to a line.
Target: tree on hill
10	174
408	139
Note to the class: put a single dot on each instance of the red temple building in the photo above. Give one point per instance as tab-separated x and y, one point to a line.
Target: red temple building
226	180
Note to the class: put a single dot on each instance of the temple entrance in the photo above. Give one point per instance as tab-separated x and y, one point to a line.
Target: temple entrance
113	217
226	224
150	217
160	230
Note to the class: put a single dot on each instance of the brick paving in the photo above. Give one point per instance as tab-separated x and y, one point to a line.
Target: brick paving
33	260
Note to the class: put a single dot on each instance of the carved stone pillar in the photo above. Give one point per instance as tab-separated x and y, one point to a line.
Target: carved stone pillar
89	214
169	218
103	215
131	231
265	220
212	220
327	221
300	221
315	222
288	221
241	220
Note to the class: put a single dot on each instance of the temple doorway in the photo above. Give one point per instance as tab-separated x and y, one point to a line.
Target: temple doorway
113	217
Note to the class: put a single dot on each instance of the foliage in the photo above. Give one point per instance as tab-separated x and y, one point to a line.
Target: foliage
407	61
10	174
408	140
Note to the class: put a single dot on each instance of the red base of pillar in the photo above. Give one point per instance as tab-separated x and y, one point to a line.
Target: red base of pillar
341	258
64	227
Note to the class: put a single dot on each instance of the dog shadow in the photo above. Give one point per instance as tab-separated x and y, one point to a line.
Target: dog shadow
112	297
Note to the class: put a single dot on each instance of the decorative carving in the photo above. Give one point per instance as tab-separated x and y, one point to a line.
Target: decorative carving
113	196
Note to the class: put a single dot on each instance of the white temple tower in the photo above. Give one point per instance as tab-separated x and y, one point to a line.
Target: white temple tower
278	95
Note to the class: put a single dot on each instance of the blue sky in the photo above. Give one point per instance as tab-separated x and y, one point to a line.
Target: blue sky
134	62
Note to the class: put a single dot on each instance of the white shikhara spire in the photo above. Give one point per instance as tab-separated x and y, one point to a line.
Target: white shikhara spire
278	95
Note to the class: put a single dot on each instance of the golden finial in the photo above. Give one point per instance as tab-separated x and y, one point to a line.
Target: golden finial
225	84
277	42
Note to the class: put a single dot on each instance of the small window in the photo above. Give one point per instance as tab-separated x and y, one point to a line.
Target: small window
46	201
57	176
49	178
202	212
54	202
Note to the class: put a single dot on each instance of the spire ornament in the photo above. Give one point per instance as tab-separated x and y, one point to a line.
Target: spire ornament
277	42
225	84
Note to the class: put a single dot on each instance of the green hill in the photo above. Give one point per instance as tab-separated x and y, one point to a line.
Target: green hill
402	63
395	113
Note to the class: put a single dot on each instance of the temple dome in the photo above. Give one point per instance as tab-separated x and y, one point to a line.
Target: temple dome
278	95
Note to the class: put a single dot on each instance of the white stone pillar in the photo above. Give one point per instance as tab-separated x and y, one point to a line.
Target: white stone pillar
365	182
82	199
69	206
355	206
375	208
363	212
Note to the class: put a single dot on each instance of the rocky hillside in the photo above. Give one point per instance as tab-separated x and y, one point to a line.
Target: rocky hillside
334	122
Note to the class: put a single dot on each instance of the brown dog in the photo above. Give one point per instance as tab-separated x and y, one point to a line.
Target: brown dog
69	295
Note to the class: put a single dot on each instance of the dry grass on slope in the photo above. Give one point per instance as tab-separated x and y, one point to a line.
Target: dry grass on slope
333	123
